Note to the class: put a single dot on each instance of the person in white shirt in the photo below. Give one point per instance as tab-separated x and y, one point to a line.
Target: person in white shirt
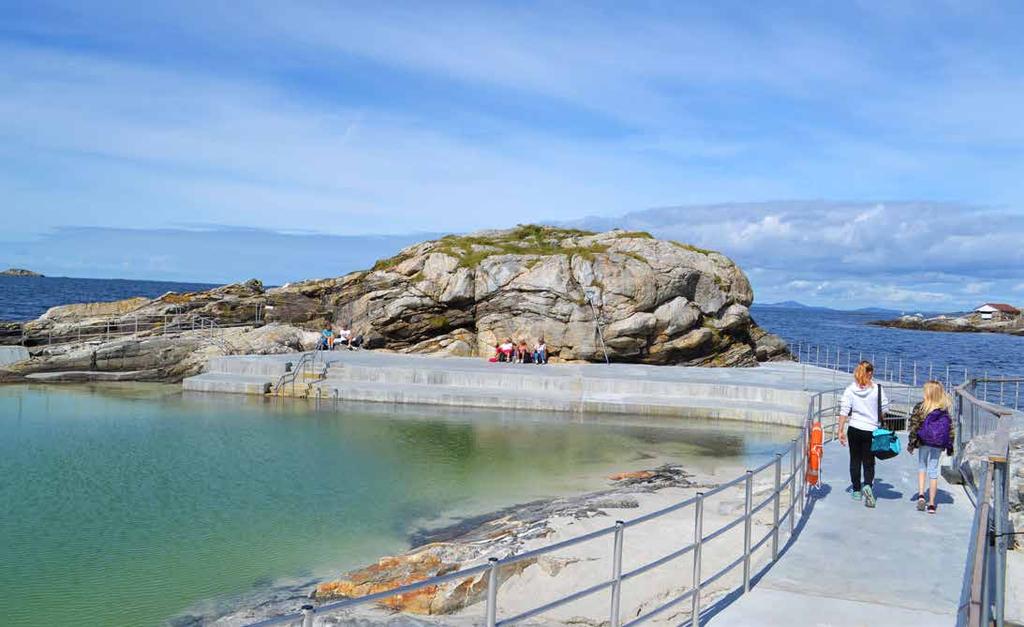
858	419
345	335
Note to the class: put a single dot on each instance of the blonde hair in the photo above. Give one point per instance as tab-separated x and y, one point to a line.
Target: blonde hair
863	372
935	397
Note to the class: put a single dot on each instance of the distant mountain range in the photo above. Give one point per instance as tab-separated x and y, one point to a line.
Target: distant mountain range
792	304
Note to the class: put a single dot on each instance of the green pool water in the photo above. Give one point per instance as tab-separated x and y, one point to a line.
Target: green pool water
133	504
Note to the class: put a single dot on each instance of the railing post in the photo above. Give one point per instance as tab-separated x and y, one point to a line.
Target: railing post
775	513
617	572
698	540
492	592
747	523
792	490
307	616
915	373
1000	496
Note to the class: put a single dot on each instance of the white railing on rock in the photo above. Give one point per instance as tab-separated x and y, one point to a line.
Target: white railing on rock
786	478
125	326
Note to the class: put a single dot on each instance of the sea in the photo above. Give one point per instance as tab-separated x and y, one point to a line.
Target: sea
827	337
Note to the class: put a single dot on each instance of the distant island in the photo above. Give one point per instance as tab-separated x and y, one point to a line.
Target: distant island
19	272
792	304
988	318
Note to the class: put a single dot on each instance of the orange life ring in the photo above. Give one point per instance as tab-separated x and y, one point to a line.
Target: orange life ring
814	452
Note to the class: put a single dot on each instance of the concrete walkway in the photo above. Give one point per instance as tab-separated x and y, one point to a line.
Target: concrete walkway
850	565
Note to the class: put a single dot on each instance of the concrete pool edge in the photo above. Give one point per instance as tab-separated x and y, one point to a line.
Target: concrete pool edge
773	393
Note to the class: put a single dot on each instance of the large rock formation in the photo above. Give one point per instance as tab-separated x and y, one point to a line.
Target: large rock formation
652	301
638	298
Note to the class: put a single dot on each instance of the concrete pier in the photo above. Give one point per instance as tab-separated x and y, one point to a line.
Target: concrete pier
850	566
775	393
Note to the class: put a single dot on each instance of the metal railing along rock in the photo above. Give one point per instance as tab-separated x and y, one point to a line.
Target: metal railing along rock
788	483
125	326
986	428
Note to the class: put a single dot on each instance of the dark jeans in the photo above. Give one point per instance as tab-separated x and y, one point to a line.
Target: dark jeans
860	456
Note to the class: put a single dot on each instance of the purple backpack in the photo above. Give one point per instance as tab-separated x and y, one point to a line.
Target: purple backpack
934	431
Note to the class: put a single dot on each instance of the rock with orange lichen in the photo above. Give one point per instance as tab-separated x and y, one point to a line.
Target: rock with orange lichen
396	571
634	474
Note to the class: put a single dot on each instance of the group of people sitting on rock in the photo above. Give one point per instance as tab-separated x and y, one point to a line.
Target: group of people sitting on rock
520	353
344	336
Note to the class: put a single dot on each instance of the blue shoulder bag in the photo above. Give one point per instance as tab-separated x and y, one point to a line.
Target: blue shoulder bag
885	444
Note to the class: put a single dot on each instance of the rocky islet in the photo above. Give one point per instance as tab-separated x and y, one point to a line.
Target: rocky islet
641	299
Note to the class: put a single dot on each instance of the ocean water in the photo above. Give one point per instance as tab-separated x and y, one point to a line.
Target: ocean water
130	504
817	334
25	298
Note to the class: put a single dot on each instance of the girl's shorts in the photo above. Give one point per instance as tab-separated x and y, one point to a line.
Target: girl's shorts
928	460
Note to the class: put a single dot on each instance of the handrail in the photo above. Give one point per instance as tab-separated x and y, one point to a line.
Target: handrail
983	592
307	360
128	325
792	483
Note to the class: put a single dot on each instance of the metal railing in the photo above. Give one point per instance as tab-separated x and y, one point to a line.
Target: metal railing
787	469
985	427
124	326
305	368
993	388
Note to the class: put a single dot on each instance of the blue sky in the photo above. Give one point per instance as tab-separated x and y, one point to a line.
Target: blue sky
152	128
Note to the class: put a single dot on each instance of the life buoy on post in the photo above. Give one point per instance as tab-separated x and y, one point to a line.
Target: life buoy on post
814	452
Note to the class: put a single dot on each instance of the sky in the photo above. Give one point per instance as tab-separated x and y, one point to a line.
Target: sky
847	154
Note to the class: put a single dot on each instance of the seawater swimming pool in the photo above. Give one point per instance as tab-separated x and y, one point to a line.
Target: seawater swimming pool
131	504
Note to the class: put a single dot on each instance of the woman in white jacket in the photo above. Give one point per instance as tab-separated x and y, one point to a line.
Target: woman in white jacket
858	419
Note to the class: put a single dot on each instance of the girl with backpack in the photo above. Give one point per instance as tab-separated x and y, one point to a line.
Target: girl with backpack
931	432
862	407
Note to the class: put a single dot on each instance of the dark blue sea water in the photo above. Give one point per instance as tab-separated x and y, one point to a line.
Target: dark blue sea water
817	335
25	298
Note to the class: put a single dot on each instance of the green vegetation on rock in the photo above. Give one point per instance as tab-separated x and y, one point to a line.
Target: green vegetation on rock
526	239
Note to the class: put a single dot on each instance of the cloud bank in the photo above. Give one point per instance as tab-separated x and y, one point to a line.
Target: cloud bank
897	254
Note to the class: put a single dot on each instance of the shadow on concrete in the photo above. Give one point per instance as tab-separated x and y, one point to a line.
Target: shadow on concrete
942	497
814	495
886	491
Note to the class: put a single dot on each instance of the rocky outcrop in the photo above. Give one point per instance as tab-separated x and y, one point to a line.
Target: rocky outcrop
626	294
651	301
157	356
954	324
19	272
978	450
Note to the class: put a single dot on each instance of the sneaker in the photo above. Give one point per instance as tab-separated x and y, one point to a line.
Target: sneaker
869	497
931	509
920	503
856	495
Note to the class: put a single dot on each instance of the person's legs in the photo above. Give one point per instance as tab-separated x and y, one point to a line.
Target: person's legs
853	440
869	462
933	472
